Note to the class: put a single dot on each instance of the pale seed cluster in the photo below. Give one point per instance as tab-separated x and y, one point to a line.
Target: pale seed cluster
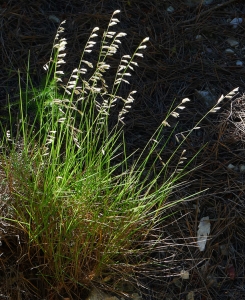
95	87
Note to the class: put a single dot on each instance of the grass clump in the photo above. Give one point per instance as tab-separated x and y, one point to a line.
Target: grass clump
84	209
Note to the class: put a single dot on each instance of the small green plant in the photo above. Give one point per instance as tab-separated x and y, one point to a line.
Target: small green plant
84	208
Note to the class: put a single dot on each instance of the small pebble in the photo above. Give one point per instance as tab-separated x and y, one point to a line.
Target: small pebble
235	22
170	9
206	96
229	51
185	275
54	19
231	166
232	42
198	37
190	296
239	63
242	168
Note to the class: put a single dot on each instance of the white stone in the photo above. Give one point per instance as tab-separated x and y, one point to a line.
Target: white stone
232	42
242	168
231	166
170	9
207	96
239	63
185	275
54	19
235	22
229	51
198	37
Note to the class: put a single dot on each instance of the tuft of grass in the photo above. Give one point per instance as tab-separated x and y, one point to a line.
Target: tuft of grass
84	209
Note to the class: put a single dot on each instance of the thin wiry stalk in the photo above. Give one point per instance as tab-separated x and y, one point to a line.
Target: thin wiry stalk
84	204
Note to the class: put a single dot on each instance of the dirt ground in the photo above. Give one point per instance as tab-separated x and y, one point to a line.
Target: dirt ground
187	56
